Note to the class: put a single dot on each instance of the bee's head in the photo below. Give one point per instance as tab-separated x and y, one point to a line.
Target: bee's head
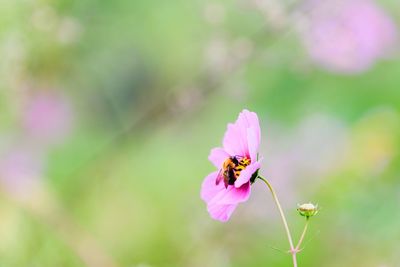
235	160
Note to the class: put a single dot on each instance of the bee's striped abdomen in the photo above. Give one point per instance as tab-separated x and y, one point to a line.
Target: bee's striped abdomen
243	163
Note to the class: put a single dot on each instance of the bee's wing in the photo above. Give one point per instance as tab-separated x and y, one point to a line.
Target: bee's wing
219	177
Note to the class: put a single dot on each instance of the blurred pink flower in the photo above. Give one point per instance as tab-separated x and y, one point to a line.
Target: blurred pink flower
348	36
20	169
48	117
240	152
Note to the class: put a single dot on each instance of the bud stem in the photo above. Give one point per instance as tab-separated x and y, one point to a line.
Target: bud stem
293	250
303	234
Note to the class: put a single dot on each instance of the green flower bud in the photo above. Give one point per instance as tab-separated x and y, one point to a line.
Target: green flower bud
307	210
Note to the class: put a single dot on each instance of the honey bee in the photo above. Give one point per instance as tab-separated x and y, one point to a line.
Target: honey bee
231	169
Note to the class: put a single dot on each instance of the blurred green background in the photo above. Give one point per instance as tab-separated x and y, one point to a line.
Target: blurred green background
108	110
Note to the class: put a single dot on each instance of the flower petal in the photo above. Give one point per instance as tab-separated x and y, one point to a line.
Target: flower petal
248	119
233	195
236	139
221	212
252	143
218	156
224	203
246	174
234	142
209	189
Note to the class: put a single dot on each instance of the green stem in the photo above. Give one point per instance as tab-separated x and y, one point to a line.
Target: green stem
303	234
285	224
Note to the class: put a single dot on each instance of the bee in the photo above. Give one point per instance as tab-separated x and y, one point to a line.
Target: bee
231	169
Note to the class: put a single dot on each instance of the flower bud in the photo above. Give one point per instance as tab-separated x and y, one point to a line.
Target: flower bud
308	209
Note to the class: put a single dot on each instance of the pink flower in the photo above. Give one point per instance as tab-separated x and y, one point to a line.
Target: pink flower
236	164
48	117
348	36
20	169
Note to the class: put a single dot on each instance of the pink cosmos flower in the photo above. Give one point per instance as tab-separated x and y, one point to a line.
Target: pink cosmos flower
237	164
348	36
